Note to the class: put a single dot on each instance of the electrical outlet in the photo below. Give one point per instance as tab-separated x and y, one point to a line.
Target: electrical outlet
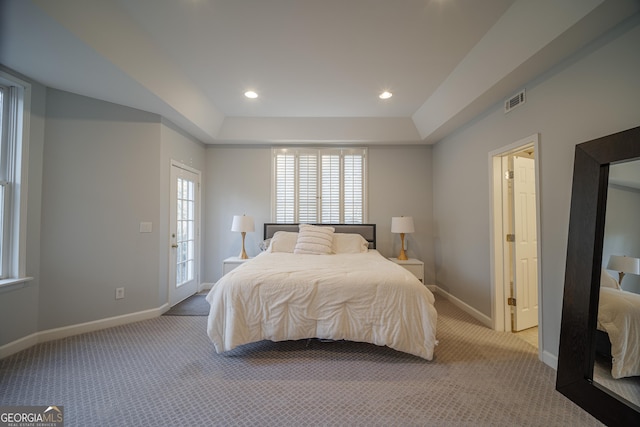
119	293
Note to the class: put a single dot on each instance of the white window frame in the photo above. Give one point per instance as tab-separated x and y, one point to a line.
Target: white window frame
318	152
13	175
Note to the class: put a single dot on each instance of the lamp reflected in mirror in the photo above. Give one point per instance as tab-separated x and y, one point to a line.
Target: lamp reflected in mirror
624	264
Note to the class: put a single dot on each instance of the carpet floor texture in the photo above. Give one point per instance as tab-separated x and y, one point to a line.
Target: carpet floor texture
165	372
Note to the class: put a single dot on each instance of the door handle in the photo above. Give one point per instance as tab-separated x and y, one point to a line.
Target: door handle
174	246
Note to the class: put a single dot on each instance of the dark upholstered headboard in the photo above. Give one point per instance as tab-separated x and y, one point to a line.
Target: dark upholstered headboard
368	231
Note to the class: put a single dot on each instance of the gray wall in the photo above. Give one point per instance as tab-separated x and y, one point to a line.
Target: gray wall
622	231
239	182
591	94
106	169
400	184
100	180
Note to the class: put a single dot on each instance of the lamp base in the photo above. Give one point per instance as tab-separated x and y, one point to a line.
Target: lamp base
403	255
243	253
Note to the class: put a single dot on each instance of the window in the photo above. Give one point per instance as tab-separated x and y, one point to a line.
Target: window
13	149
319	185
3	172
186	230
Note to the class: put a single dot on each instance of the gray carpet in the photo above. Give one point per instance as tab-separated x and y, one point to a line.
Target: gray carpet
164	372
195	305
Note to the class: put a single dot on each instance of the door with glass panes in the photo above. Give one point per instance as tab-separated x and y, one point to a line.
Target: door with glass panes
184	233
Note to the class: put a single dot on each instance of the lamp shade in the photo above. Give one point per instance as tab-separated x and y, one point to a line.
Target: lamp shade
242	223
624	264
402	224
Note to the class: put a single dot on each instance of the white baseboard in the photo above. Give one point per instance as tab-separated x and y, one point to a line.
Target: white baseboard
550	360
485	320
205	286
18	345
68	331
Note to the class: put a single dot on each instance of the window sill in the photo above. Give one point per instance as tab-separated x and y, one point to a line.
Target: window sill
14	283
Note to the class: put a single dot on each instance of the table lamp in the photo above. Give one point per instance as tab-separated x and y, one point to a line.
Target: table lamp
243	224
402	225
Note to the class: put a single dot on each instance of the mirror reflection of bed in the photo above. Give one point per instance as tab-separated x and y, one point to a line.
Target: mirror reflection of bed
617	361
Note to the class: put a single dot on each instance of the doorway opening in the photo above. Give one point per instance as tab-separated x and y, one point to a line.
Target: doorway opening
515	231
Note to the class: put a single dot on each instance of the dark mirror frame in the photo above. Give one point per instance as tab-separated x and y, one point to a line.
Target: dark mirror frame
577	350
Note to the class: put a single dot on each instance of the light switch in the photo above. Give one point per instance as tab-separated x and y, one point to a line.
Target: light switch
146	227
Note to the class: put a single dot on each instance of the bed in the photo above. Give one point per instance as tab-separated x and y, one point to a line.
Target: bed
348	292
618	333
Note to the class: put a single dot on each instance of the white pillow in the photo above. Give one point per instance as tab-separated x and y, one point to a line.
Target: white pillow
349	243
283	241
607	281
314	240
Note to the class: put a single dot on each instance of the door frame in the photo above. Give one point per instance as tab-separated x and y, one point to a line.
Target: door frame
500	315
198	246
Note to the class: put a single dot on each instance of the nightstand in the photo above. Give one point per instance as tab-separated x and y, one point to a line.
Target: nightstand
231	263
415	266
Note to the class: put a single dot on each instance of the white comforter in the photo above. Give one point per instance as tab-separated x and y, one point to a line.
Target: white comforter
356	297
619	317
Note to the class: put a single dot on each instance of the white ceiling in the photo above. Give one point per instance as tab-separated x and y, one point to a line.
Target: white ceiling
318	66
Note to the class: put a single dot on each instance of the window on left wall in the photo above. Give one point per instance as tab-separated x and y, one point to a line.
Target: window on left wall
14	119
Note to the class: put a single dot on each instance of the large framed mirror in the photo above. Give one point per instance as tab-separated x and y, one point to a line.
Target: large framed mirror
597	357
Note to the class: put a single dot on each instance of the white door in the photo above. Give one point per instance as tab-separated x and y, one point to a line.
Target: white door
525	266
184	233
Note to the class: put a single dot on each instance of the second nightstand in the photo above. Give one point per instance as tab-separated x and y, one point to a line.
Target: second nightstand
413	265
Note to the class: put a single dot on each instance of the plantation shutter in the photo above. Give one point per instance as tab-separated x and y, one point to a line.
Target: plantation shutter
353	188
308	188
285	188
319	185
330	197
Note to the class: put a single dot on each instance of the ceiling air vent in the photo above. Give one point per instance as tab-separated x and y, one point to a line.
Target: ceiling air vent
515	101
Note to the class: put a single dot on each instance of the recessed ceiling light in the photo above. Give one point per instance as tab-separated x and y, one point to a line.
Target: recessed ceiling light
385	95
251	94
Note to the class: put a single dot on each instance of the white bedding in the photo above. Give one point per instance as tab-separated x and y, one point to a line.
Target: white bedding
357	297
619	317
